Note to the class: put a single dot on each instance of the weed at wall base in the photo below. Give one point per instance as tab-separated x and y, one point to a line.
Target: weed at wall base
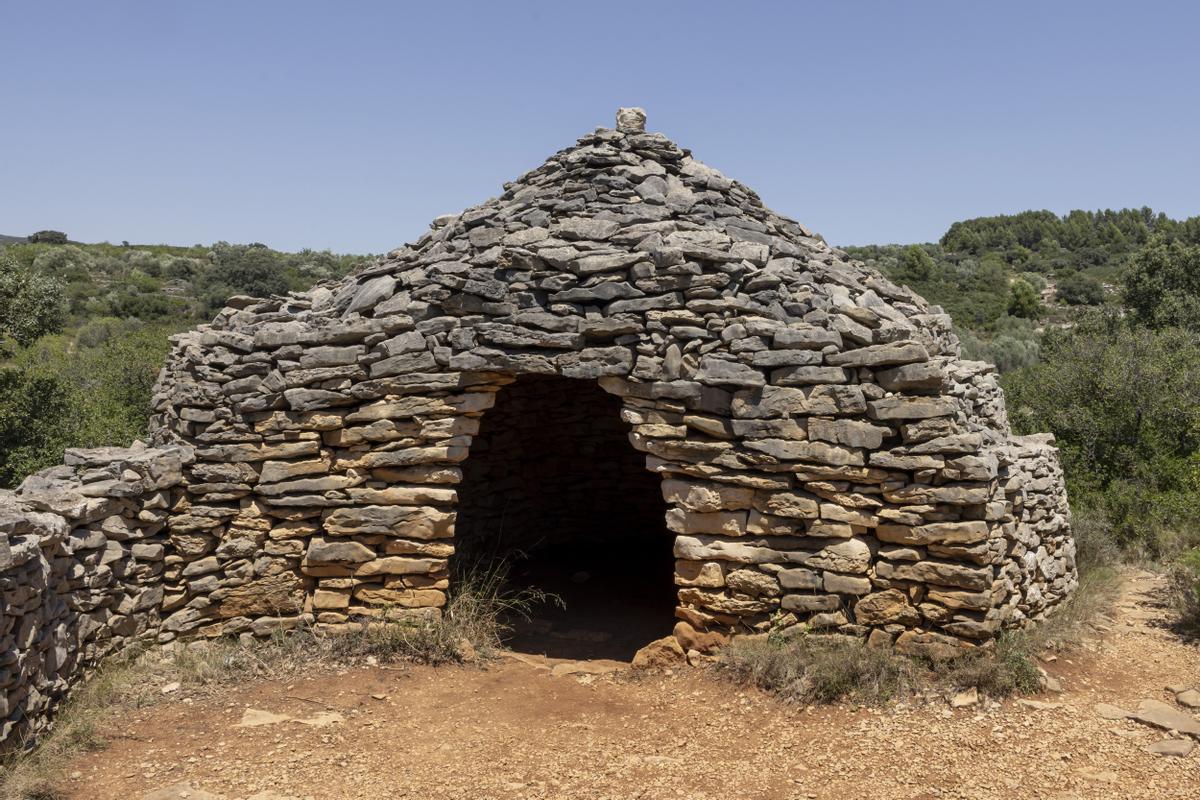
823	669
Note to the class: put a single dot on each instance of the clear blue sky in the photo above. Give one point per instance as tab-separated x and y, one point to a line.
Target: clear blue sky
350	125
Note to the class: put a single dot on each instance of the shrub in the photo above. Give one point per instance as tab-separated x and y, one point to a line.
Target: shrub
34	407
47	237
1184	591
1034	279
476	619
1007	350
61	393
1008	669
61	261
1096	546
241	269
31	305
825	669
1080	290
1124	405
916	265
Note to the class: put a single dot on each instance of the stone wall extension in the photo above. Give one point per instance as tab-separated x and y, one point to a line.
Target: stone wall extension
83	554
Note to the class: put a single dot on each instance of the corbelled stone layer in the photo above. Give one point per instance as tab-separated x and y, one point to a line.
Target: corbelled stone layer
827	458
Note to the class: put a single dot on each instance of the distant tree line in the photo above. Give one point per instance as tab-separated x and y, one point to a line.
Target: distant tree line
1041	241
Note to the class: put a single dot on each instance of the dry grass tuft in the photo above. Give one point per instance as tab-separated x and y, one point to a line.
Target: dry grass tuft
819	669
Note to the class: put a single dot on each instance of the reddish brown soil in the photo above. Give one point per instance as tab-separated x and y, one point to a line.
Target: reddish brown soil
515	731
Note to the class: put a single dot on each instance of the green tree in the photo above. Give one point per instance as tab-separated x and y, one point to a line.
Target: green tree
1023	300
1162	286
242	269
31	305
916	266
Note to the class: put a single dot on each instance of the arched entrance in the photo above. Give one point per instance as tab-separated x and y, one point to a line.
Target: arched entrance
554	491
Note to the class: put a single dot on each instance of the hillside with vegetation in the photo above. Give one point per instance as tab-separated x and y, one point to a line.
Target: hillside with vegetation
1093	319
84	330
1005	278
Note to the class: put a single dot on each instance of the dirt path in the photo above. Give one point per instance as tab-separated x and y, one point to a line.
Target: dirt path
517	731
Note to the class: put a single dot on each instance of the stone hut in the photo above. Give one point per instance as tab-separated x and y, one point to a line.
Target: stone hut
626	355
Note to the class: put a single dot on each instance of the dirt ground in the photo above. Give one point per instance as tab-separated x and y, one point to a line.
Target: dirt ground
516	730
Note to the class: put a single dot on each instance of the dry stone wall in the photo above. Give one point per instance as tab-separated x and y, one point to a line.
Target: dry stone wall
83	557
826	459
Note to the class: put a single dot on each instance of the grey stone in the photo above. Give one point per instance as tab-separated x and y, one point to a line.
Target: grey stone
330	550
720	372
851	433
911	377
631	120
372	293
900	407
1161	715
879	355
1180	748
800	578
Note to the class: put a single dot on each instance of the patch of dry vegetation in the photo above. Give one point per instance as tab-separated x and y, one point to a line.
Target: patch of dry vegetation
820	669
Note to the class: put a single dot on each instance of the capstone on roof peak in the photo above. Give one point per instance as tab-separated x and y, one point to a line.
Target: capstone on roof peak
631	120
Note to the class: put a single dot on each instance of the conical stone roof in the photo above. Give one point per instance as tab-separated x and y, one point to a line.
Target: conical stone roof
623	240
626	223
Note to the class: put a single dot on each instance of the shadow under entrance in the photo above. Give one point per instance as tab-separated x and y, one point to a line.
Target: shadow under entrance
554	493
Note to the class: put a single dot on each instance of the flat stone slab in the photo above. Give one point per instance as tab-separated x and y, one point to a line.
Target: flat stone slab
1189	698
181	791
1172	747
1161	715
1039	705
255	717
585	668
1106	711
